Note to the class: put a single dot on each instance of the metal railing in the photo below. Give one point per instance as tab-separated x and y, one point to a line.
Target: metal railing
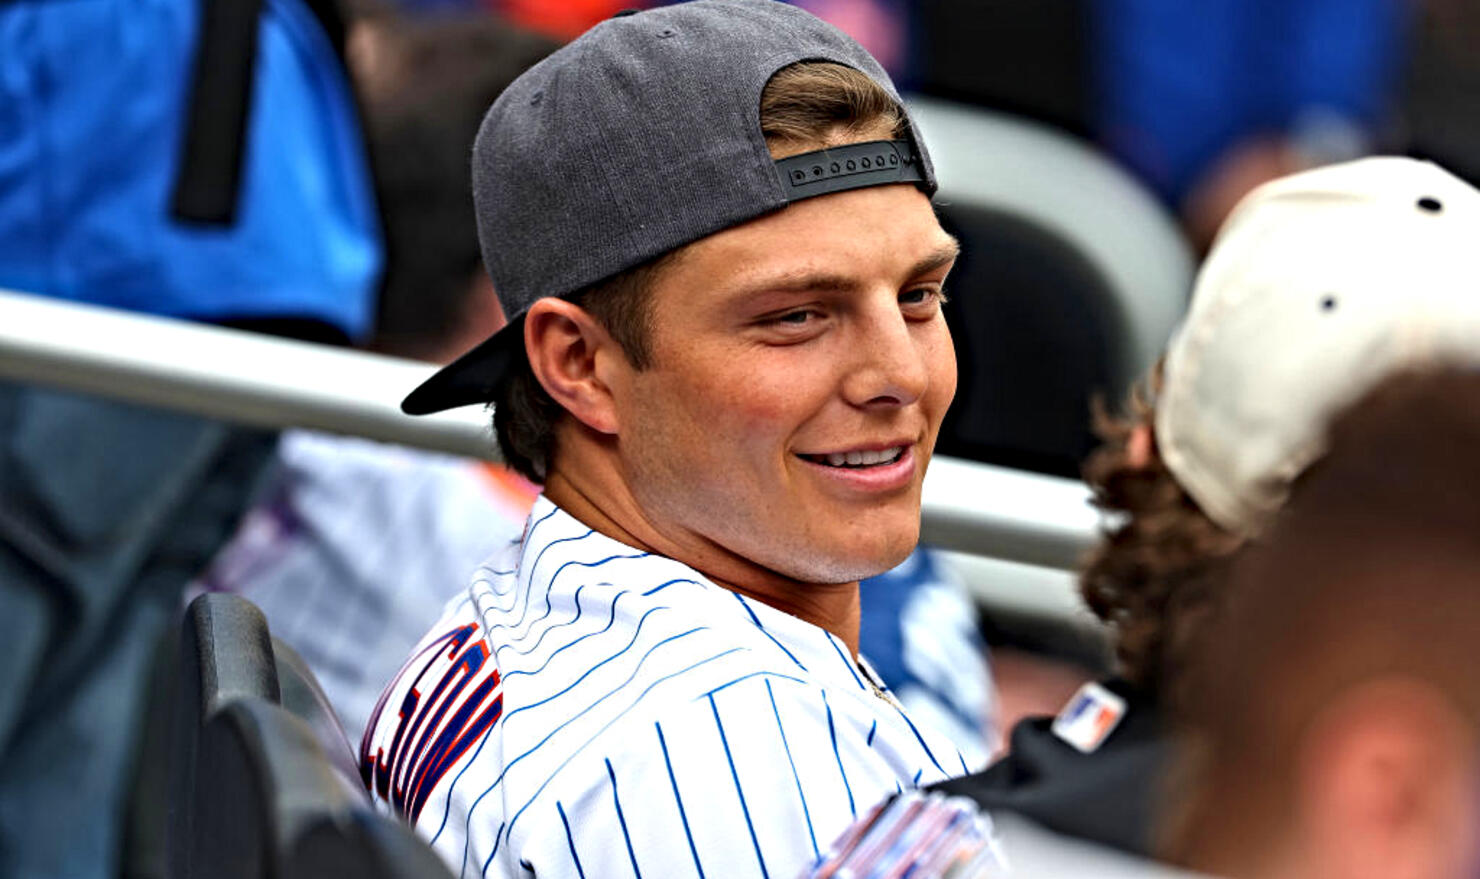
268	382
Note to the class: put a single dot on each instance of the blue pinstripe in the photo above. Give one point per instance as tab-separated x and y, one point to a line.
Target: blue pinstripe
738	792
484	869
614	720
921	739
513	596
683	815
636	633
852	668
873	728
755	674
510	765
661	586
528	573
535	525
529	539
621	818
529	534
550	587
559	650
806	812
832	731
757	620
492	577
570	840
474	759
570	622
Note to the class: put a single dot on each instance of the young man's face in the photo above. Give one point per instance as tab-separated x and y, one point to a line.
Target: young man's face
801	369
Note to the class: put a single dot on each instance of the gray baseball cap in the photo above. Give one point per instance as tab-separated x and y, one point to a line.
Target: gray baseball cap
639	137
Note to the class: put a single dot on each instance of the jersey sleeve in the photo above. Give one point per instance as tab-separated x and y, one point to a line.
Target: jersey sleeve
755	779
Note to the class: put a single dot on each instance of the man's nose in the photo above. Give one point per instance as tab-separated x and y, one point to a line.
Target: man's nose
889	363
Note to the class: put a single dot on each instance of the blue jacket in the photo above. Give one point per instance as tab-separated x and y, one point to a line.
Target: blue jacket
93	97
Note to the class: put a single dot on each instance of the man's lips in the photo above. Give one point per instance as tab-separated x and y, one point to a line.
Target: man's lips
868	466
893	467
864	456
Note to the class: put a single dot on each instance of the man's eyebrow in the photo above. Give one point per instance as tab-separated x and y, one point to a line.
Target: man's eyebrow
943	255
807	281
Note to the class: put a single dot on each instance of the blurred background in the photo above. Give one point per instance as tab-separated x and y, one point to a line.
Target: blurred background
298	168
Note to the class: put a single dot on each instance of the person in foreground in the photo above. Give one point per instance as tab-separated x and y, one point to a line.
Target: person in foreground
1319	286
1330	721
1337	735
710	227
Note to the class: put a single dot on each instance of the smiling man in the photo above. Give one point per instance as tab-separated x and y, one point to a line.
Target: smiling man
710	225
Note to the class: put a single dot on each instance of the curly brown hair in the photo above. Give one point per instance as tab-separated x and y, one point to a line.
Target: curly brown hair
1149	577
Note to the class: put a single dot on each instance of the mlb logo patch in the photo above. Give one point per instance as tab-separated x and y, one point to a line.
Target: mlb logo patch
1089	718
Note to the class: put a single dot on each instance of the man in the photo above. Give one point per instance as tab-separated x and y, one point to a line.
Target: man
727	365
1319	286
1335	710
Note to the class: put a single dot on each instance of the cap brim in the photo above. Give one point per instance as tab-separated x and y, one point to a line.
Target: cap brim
471	378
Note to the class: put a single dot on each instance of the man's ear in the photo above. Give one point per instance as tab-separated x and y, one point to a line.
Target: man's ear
575	360
1139	445
1388	781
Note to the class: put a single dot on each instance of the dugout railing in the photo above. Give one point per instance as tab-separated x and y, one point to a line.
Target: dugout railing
1017	534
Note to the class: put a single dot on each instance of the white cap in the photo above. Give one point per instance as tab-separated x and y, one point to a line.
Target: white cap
1319	285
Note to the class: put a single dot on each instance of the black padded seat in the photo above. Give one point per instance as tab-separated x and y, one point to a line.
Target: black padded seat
263	782
304	698
225	655
282	809
362	845
1037	336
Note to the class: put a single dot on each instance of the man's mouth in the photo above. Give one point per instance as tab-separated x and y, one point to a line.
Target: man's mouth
858	459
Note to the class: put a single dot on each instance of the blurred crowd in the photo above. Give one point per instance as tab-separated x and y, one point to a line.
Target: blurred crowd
1201	103
1284	579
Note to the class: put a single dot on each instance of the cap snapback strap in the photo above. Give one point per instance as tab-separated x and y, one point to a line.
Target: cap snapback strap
854	166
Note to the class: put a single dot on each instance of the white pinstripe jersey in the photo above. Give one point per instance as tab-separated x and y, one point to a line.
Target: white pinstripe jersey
591	710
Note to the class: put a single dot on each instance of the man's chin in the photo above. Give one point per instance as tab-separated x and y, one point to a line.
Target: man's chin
846	567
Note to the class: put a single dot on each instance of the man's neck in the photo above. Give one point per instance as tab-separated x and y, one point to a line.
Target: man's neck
616	514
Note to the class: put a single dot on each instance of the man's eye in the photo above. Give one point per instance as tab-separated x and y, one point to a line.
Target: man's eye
921	296
794	318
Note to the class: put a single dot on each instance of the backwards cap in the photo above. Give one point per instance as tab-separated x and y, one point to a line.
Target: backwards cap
1319	285
639	137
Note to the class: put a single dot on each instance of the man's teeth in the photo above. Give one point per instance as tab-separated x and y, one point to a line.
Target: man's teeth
863	459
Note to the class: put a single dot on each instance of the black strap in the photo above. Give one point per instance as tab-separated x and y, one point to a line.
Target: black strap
208	183
853	166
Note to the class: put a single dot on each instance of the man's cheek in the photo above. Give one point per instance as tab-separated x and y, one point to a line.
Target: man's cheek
743	411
